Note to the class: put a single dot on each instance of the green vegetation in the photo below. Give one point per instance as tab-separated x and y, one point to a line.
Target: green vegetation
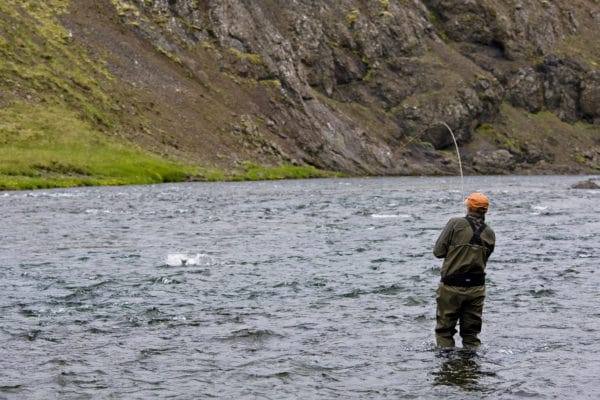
254	172
59	127
499	138
39	61
57	123
125	7
490	132
544	134
385	5
169	55
249	171
435	20
254	59
352	17
50	146
65	120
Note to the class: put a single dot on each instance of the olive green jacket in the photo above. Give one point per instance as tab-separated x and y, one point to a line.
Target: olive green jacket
460	256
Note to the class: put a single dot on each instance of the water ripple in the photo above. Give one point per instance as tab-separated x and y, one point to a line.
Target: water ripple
292	289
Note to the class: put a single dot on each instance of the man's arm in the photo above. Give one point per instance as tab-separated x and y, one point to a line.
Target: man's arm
490	245
443	242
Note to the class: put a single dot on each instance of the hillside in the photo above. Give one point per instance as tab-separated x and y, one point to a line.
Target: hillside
124	91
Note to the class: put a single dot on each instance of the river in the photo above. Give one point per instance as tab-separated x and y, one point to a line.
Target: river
309	289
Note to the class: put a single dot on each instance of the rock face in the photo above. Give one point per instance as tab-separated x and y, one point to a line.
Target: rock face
363	87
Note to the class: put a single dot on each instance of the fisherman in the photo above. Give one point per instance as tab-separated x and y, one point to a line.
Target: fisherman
465	244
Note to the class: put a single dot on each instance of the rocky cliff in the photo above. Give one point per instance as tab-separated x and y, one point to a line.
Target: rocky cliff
362	87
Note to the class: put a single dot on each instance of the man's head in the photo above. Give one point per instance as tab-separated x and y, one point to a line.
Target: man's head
477	202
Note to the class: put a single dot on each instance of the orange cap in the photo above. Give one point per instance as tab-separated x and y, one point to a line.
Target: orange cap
477	200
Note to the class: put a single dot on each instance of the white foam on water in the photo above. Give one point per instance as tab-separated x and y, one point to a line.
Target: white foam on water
179	259
53	194
539	210
95	211
506	351
404	216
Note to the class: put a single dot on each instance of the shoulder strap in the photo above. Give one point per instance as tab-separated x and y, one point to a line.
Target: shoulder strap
476	238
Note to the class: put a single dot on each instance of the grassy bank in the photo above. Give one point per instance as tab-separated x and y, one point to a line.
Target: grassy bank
57	128
61	125
45	146
254	172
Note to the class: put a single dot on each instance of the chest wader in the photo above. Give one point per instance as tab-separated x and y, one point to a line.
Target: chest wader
458	300
469	279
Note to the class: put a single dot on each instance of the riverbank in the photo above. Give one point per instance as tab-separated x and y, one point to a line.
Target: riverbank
49	146
107	93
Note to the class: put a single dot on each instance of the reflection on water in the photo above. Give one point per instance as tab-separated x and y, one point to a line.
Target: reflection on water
461	368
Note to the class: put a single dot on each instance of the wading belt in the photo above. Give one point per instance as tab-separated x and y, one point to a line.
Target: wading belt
464	280
469	279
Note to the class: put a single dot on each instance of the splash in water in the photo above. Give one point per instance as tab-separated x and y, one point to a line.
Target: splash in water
179	259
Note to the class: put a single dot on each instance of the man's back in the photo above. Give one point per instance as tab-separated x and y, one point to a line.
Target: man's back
456	246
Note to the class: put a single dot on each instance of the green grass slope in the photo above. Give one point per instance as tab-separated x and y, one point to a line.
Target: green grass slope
56	123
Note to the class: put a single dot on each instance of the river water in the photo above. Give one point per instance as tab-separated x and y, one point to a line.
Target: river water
315	289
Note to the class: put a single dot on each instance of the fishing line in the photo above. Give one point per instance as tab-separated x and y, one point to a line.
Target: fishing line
462	178
409	141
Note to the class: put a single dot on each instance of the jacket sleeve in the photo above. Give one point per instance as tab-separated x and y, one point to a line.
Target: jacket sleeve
443	242
490	245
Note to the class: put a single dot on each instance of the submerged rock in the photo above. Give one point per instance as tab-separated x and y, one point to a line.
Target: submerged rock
589	184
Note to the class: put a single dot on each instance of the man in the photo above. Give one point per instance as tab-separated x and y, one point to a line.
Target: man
465	244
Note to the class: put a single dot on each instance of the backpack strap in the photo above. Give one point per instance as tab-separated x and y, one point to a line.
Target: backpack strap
476	238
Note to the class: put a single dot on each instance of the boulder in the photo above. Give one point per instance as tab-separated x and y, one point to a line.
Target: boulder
494	162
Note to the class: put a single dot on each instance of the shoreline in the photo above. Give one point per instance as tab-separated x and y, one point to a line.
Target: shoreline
256	174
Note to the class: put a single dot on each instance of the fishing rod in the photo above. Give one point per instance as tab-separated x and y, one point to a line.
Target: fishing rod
462	178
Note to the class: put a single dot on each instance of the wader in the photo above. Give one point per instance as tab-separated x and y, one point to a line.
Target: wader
460	298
